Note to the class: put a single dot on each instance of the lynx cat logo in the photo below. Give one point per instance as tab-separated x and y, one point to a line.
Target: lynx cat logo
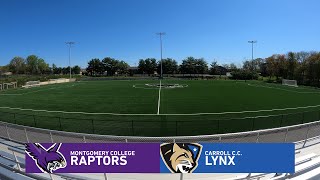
181	157
47	160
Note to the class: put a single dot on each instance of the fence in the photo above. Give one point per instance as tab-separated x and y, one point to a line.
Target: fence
293	133
156	125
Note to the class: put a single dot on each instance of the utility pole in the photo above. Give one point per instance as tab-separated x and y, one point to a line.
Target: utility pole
161	34
70	43
252	42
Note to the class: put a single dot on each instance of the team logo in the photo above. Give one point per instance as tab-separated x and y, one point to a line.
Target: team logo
47	160
180	157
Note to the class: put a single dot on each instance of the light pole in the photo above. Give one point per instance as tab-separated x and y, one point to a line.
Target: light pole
70	43
161	34
252	42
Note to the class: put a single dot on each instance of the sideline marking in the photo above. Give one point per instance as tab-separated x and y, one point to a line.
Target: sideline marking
190	114
159	99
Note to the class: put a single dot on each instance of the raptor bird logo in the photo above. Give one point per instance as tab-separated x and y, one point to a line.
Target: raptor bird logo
47	160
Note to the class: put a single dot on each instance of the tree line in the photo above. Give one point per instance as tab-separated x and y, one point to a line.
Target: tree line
148	66
107	66
301	66
35	65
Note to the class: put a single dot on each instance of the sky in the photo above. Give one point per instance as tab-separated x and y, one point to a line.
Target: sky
126	29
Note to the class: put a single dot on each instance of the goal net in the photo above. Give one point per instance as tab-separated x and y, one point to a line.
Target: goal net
288	82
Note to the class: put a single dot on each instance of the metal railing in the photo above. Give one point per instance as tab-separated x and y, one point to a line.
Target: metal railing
295	133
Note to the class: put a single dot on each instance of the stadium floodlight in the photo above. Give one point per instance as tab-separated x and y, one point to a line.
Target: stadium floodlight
161	34
70	43
252	42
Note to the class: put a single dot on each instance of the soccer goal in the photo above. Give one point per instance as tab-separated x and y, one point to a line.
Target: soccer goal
288	82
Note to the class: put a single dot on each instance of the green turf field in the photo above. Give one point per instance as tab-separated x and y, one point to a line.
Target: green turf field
142	108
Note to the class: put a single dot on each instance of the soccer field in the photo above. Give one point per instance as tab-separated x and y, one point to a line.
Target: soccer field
144	108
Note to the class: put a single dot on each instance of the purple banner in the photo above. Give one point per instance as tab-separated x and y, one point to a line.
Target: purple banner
160	158
92	158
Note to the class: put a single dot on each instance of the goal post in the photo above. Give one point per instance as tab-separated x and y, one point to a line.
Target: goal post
288	82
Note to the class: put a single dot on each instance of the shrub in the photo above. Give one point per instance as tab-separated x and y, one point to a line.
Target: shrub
244	75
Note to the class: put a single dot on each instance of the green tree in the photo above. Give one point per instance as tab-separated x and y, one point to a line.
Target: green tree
271	66
113	66
277	65
43	66
253	65
147	66
32	65
55	69
233	67
214	68
123	67
302	66
313	69
169	66
142	66
110	65
17	65
95	67
292	64
65	70
4	69
151	65
190	65
36	65
76	70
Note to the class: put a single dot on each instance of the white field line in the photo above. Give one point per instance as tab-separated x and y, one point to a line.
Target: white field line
283	89
30	92
159	99
138	86
190	114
